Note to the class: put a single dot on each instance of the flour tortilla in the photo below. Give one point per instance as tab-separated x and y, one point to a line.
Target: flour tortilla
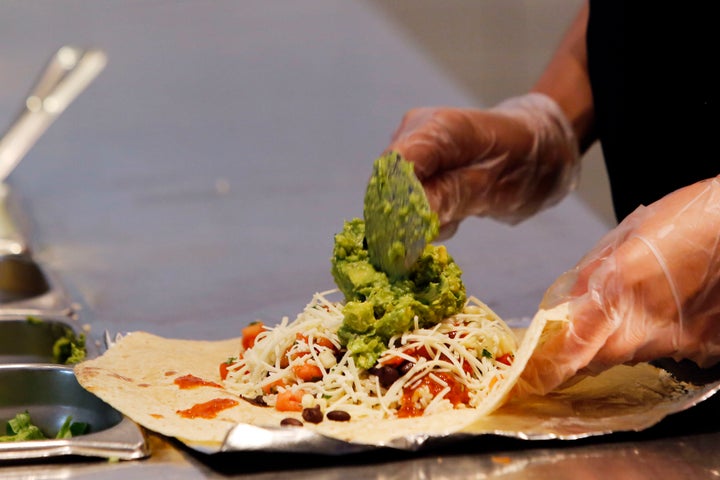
136	376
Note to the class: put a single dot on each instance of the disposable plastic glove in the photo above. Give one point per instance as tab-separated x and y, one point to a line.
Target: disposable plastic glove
507	162
650	289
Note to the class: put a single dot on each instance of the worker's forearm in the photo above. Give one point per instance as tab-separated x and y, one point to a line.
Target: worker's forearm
566	80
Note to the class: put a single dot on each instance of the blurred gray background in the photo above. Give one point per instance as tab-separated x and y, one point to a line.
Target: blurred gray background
197	184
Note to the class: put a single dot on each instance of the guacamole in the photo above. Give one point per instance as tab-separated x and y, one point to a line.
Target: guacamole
398	219
377	307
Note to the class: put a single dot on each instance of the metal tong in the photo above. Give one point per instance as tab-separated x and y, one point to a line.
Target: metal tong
69	71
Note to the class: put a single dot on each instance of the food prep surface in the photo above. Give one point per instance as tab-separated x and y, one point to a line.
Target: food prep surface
197	184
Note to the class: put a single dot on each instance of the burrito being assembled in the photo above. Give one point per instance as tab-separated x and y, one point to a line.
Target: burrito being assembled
394	358
301	366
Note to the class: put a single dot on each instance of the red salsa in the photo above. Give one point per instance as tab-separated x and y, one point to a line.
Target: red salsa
208	409
457	395
191	381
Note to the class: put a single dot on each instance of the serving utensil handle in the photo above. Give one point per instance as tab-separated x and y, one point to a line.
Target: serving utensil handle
67	74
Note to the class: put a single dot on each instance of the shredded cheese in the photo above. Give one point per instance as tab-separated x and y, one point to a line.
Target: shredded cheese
464	347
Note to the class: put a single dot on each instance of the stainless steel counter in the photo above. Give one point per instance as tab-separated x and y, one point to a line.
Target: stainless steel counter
197	184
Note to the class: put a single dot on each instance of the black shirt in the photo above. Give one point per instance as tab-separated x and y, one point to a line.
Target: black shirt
651	69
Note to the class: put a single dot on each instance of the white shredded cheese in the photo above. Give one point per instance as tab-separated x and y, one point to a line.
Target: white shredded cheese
462	349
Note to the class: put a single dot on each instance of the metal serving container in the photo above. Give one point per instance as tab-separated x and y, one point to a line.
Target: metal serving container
32	339
35	313
49	393
28	288
33	378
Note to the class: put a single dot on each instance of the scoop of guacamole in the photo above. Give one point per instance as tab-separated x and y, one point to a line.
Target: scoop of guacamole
377	308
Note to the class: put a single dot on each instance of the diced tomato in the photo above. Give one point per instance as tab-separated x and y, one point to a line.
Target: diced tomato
308	372
393	361
324	342
225	367
396	361
506	358
321	341
224	370
270	387
250	332
303	339
289	401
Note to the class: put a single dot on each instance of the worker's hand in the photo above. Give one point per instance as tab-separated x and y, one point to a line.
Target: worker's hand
650	289
507	162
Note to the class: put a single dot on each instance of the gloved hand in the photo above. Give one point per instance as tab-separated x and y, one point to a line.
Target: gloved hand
650	289
507	162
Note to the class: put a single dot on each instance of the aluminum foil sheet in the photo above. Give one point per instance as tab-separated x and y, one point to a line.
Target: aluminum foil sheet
624	398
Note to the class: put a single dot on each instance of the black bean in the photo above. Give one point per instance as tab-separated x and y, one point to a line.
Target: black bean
406	367
387	375
290	422
338	415
312	414
258	401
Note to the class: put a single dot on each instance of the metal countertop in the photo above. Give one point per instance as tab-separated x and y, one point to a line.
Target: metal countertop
196	186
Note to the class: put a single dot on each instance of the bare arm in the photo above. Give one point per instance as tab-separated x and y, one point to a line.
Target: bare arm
566	80
510	161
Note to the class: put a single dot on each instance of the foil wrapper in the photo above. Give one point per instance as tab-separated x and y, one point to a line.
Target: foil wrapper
621	399
624	398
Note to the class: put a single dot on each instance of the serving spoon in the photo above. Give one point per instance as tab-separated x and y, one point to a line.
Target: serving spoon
68	72
398	219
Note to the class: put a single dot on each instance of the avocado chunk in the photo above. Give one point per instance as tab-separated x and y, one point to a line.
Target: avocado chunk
378	307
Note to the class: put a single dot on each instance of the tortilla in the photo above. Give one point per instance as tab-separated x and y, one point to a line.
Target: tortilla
138	375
